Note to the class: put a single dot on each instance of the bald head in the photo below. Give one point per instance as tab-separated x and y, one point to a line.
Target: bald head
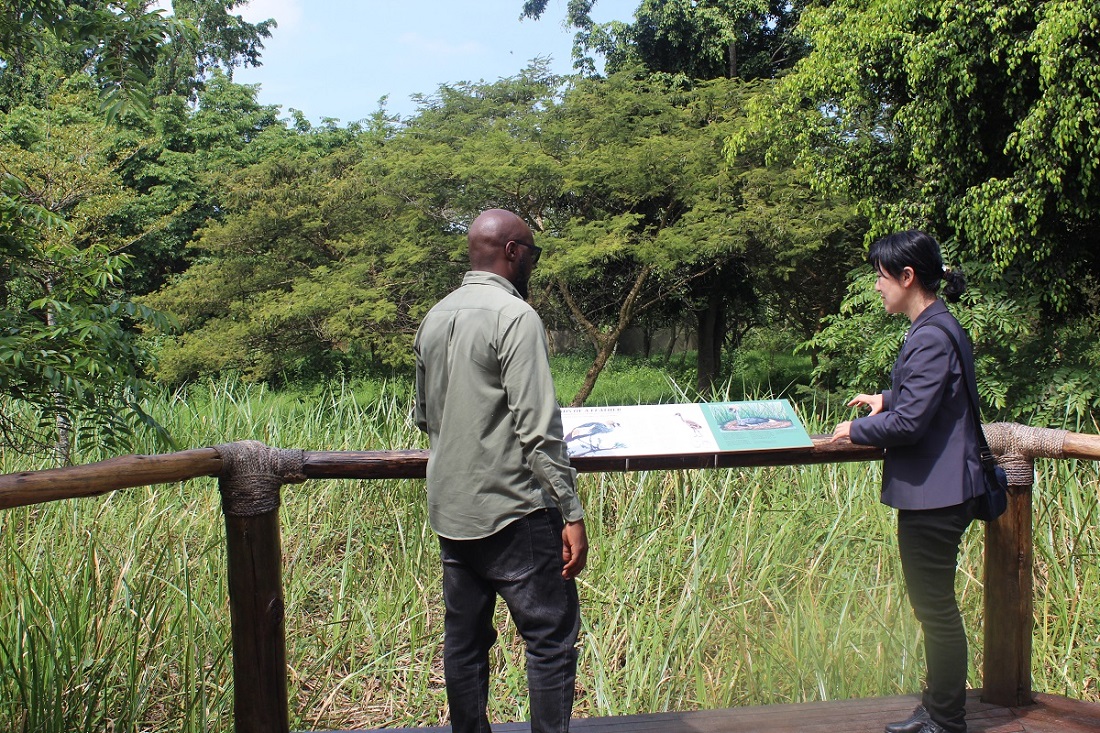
489	234
500	242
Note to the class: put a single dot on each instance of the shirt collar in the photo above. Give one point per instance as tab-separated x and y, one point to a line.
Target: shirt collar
481	277
934	309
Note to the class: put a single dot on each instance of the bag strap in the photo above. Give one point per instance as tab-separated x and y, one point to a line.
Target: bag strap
971	388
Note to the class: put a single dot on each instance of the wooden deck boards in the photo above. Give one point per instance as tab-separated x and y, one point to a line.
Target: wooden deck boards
1050	714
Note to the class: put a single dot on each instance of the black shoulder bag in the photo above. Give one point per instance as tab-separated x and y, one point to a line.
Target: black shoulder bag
994	501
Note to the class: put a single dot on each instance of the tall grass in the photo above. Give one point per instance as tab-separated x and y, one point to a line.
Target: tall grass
705	589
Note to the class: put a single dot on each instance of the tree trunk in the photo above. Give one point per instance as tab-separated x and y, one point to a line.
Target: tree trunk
605	343
711	337
63	448
673	336
607	348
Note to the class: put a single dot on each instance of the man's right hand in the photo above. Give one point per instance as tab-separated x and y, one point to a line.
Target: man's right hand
574	550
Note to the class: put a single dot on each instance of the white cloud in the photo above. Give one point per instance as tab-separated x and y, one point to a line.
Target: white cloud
438	47
287	13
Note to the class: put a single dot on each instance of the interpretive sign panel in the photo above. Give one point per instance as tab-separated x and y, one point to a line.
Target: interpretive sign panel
660	430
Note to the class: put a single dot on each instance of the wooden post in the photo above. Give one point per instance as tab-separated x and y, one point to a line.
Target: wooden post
250	481
1009	607
254	554
1009	556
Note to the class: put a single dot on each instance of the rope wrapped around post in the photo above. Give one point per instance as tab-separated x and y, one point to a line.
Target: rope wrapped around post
252	474
250	481
1016	446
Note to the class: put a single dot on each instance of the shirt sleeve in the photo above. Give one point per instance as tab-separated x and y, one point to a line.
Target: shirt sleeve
529	386
909	410
420	409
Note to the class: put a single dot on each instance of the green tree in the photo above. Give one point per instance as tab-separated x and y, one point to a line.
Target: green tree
59	41
217	40
607	174
320	255
701	39
712	39
978	122
69	223
69	355
727	243
241	305
179	169
650	215
624	179
116	43
334	243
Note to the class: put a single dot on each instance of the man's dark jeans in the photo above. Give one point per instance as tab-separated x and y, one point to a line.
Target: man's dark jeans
929	544
522	563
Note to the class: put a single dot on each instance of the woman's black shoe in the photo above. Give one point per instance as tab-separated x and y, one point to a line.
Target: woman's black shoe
912	724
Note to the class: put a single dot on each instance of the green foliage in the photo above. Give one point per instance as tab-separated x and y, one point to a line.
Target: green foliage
70	224
859	344
313	269
767	361
132	51
20	217
290	252
668	227
216	39
693	39
68	341
131	38
178	169
329	244
118	42
978	123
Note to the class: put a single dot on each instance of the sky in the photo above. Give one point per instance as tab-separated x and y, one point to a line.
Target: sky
338	58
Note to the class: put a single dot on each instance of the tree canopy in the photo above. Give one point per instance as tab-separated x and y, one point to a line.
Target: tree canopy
329	250
695	39
979	123
73	217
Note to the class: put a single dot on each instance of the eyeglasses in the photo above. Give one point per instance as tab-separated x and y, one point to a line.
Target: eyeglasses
536	251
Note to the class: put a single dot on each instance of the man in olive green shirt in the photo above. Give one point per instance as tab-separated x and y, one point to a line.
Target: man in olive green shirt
501	493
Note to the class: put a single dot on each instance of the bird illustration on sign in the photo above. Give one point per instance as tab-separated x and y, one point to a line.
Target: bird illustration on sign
589	437
736	421
696	428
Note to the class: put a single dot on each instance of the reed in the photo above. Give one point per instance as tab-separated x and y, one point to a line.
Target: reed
705	589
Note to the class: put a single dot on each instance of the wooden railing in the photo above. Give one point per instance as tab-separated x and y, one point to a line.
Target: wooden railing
250	477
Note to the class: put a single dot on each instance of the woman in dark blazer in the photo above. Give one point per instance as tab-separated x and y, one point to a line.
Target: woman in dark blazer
932	471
